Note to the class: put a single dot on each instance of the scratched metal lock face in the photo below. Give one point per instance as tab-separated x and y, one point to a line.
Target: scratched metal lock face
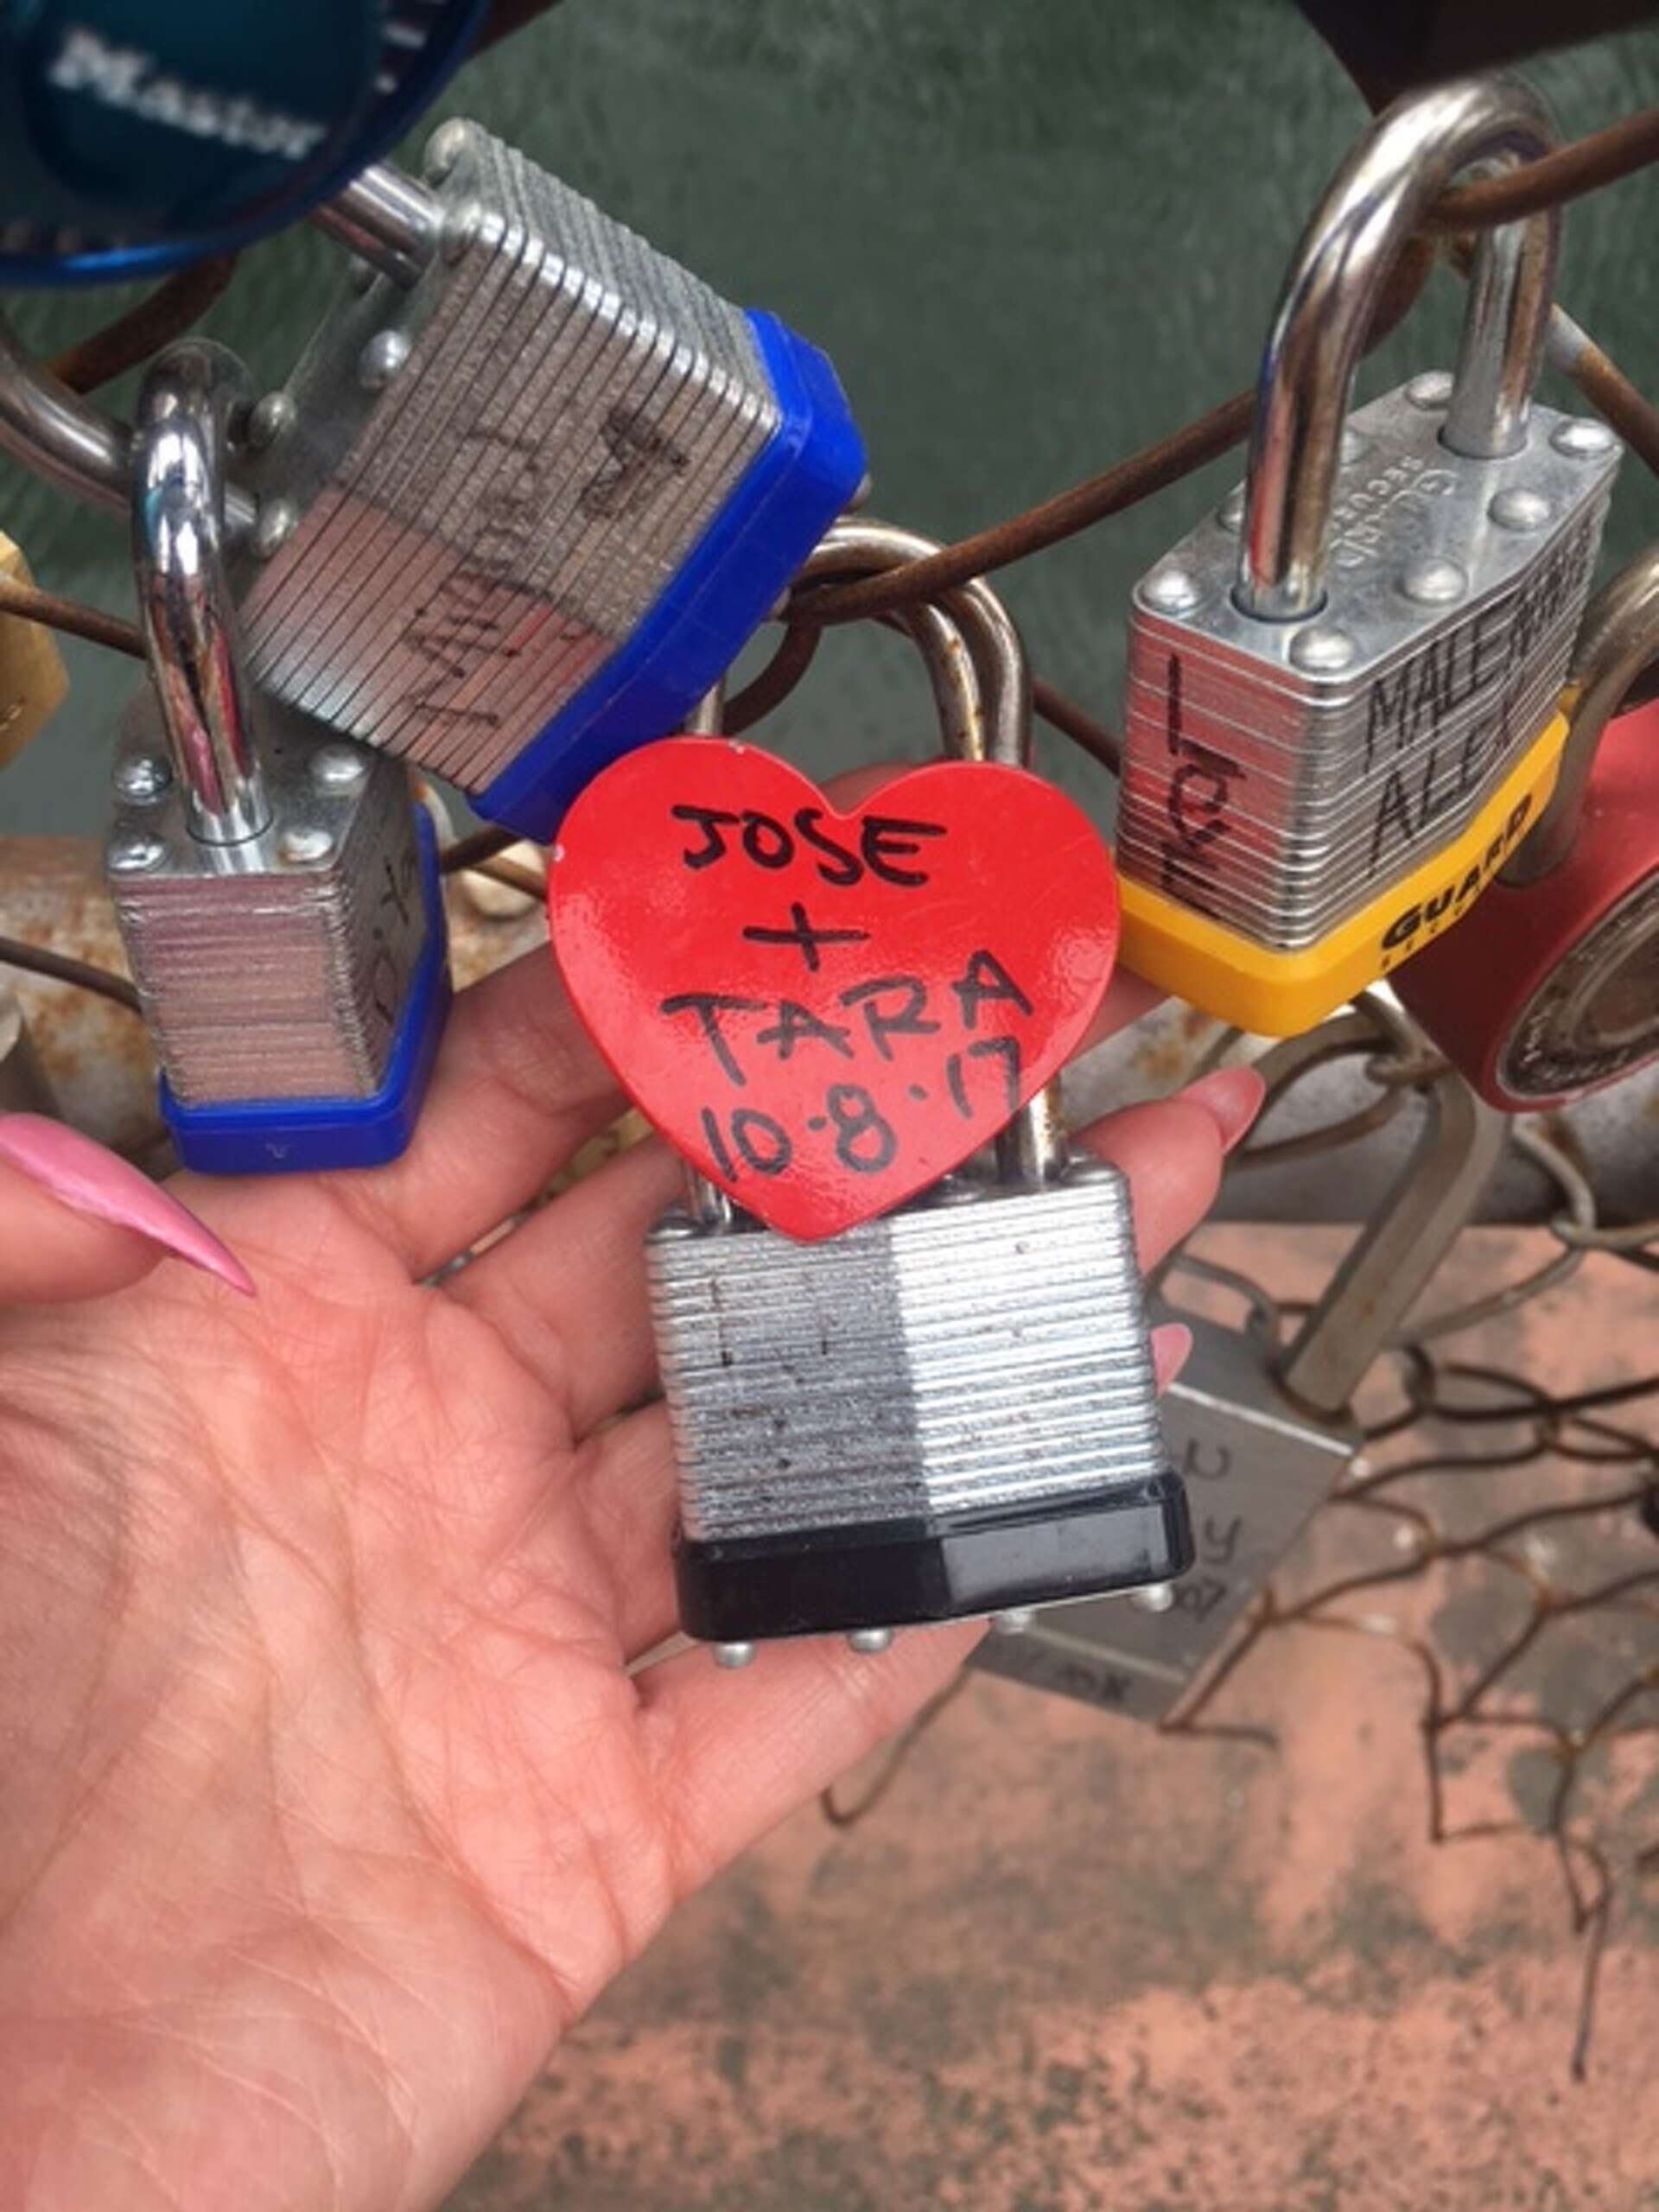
1343	701
283	975
522	503
278	896
1280	799
1255	1468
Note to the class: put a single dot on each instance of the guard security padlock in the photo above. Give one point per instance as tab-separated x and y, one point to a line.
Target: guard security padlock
1550	988
542	484
276	888
1262	1437
944	1411
1342	686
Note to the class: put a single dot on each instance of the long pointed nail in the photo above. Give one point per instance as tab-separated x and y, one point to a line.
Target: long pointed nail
90	1179
1232	1098
1172	1343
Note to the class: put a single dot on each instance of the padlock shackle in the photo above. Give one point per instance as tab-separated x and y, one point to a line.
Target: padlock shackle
1376	200
57	434
191	633
1617	639
967	638
386	219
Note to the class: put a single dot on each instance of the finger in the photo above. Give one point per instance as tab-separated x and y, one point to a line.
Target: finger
567	1291
625	1490
1171	1152
77	1221
733	1753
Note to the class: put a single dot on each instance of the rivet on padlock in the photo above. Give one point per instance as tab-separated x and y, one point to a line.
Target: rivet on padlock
1550	988
1342	689
947	1410
1261	1437
277	891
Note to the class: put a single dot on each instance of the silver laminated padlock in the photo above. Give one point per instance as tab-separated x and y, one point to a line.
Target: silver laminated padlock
276	888
531	486
528	492
1261	1437
1343	685
943	1412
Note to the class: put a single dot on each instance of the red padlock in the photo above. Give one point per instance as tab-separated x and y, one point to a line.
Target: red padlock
1549	988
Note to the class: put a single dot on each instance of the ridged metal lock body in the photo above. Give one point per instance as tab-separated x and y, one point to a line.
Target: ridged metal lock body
1279	776
1256	1466
948	1358
493	471
278	967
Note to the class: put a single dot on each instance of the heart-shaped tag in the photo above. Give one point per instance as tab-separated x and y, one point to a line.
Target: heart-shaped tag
826	1012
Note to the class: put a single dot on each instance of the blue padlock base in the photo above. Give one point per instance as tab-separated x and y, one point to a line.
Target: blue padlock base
776	514
296	1137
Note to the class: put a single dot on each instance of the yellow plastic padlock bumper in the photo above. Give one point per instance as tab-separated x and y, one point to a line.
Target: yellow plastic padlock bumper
1281	994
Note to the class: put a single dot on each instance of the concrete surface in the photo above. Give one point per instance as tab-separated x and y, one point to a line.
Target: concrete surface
1065	1965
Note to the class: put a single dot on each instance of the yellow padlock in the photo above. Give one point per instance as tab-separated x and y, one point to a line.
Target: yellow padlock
1344	686
33	681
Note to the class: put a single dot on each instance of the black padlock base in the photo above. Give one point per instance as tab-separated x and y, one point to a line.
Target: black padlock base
906	1573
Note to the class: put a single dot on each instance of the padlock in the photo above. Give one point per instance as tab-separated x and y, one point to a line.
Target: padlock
542	484
949	1409
527	494
1550	988
276	887
1263	1438
1343	684
138	135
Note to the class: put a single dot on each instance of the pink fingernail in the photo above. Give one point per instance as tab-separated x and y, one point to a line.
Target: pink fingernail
1232	1098
90	1179
1172	1341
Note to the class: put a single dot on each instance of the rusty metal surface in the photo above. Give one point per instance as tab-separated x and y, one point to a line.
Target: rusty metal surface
1068	1964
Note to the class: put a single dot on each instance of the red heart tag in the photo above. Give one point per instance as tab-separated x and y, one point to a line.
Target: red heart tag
827	1012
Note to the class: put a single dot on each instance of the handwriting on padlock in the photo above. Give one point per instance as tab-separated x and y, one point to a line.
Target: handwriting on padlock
827	1012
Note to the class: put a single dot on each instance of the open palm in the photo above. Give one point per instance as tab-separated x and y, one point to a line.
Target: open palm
328	1798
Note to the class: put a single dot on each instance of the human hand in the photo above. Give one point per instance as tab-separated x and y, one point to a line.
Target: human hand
329	1800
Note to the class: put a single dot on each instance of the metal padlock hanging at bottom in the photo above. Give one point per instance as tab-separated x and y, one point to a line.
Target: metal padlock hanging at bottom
281	907
1262	1440
949	1410
1549	989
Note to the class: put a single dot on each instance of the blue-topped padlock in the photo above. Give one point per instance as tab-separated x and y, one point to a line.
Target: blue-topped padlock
529	492
136	134
277	889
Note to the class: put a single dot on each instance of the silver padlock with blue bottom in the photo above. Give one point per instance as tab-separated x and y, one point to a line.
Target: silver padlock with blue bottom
277	889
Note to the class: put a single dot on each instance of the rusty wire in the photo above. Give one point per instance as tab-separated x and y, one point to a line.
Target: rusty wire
1551	1425
177	305
61	967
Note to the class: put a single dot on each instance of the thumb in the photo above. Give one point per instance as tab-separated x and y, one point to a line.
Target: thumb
77	1222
